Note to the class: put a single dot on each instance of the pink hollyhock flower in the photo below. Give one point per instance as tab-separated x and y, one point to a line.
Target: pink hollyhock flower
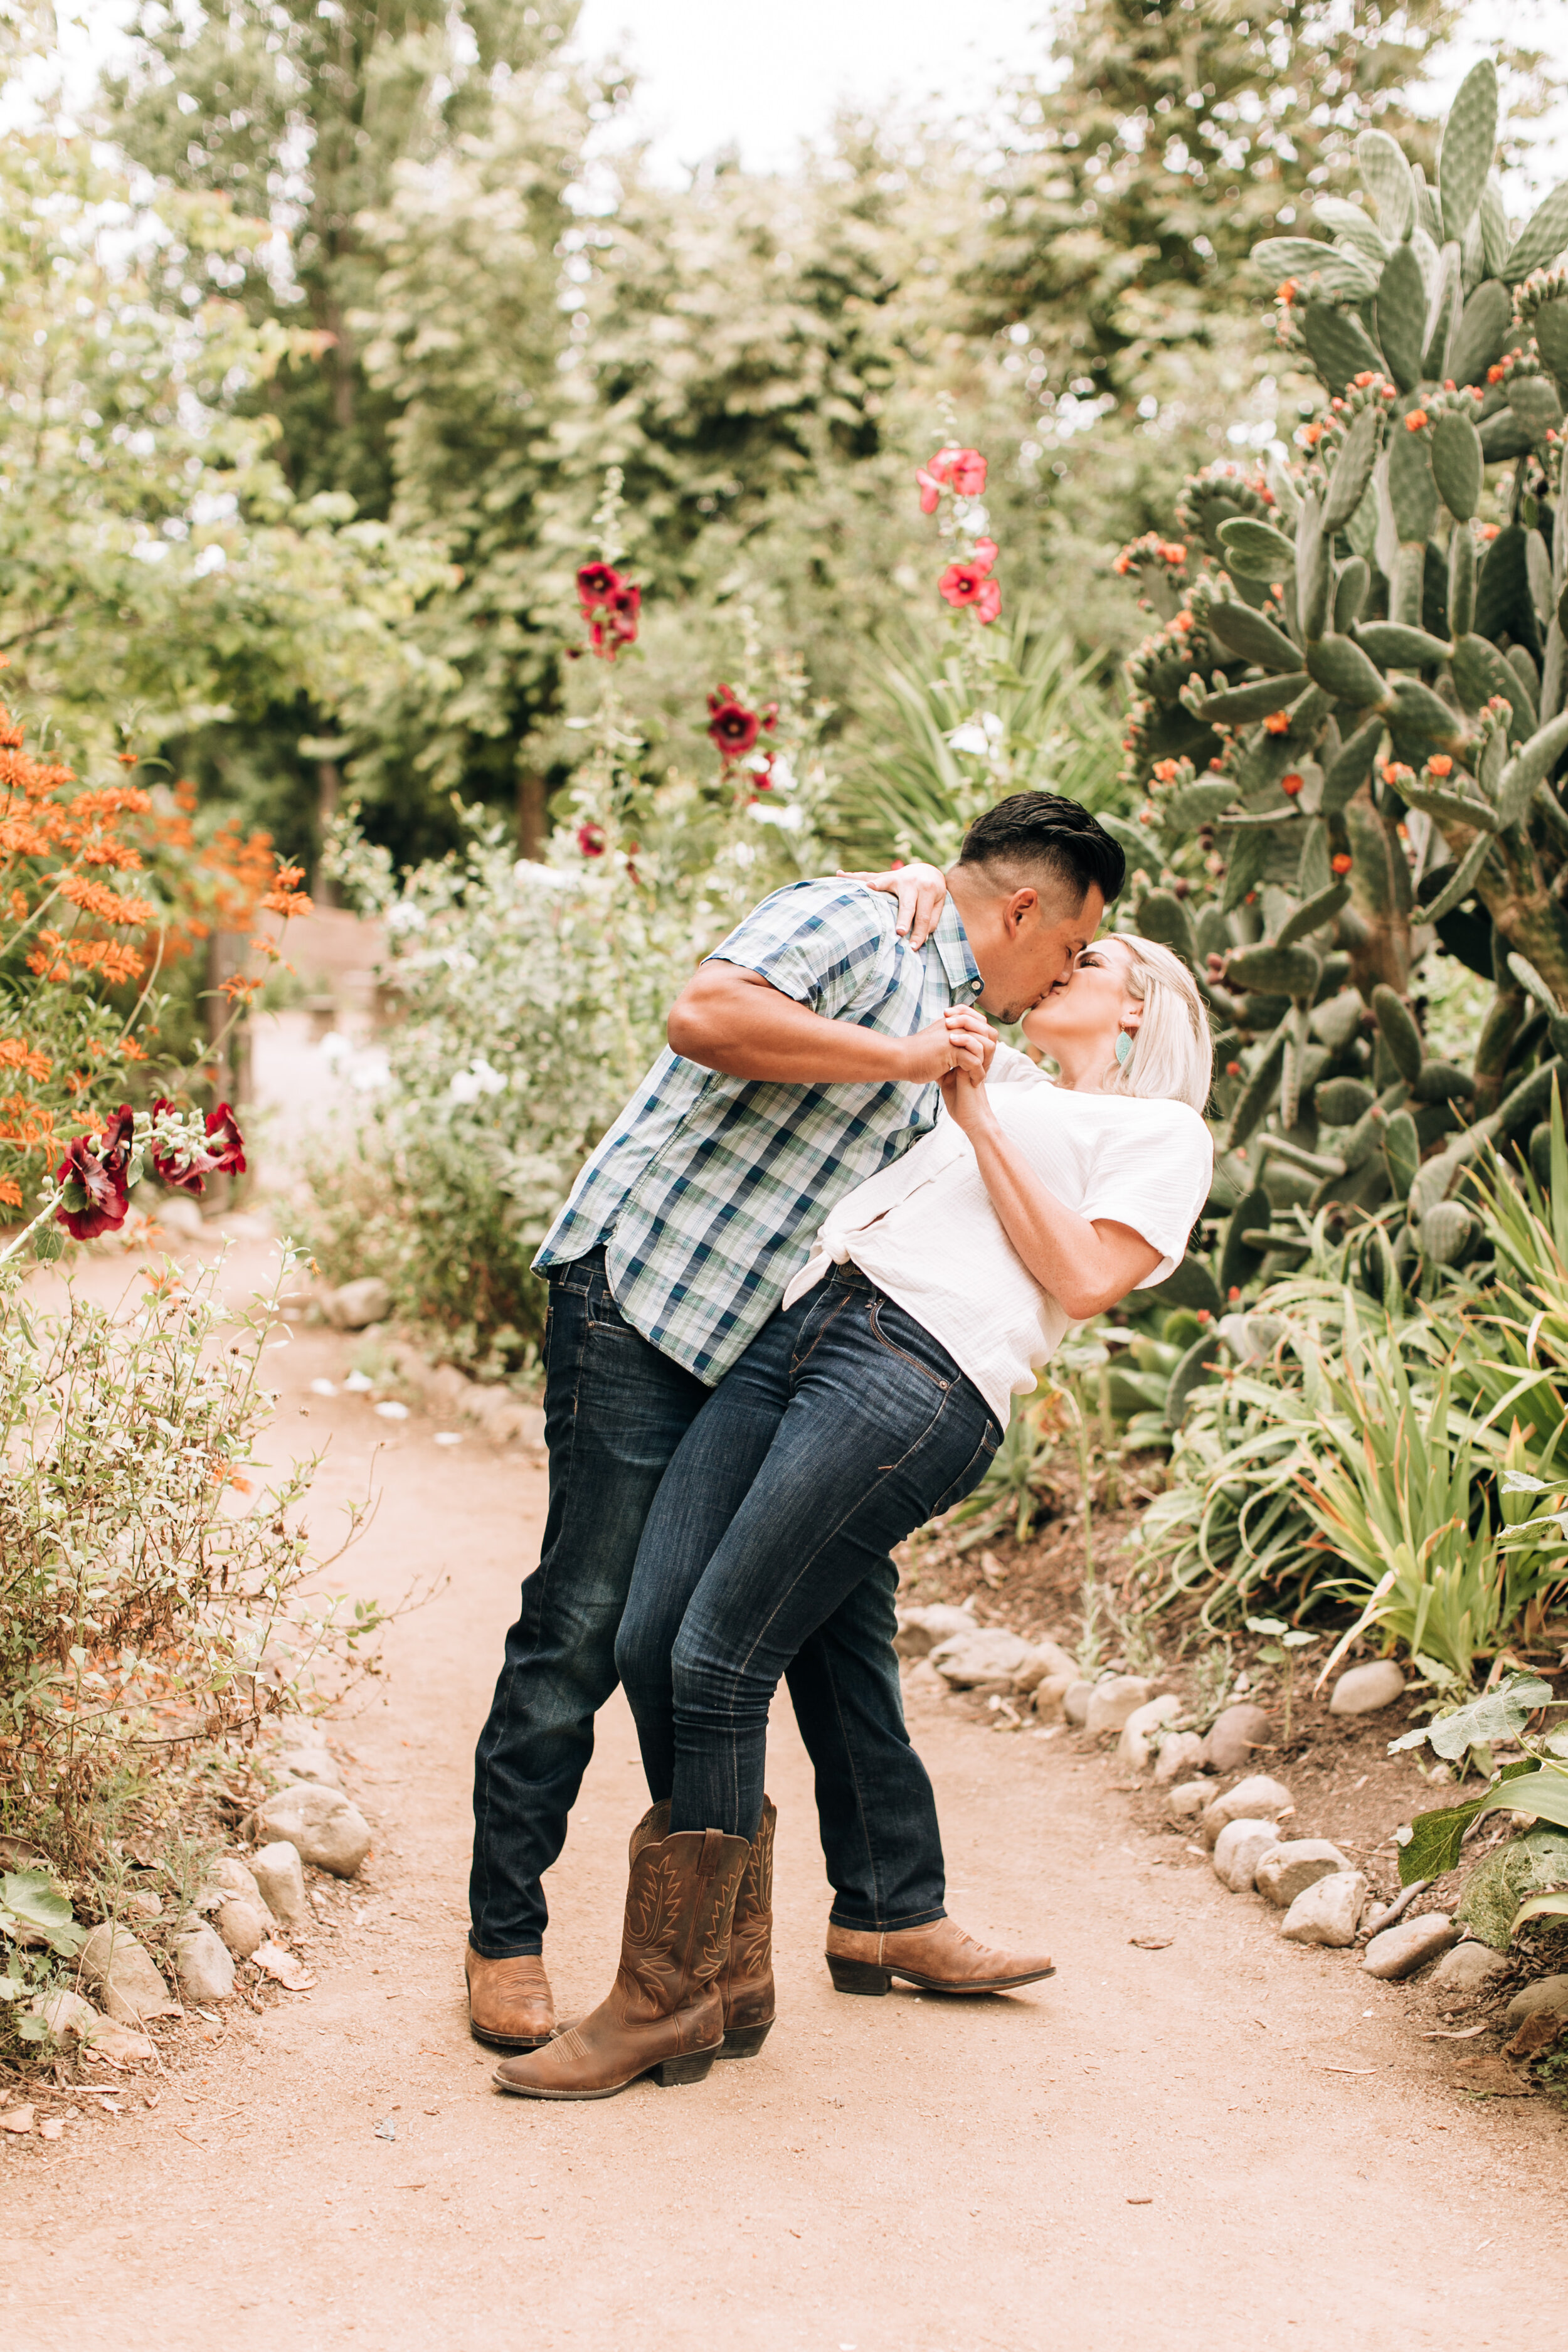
967	473
988	604
961	584
590	840
985	553
96	1185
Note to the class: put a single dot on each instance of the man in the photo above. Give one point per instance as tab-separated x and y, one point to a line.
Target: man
804	1054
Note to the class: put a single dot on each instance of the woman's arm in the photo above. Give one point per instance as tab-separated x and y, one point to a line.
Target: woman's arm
1086	1265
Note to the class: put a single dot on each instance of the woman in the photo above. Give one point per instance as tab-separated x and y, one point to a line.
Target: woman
873	1402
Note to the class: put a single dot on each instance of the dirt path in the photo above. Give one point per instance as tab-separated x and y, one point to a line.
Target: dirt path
1227	2141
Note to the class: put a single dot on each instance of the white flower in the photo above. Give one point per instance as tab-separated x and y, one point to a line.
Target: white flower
791	817
404	917
479	1078
783	774
980	734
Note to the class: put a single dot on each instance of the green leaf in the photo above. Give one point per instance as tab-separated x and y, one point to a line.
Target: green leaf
1352	467
1237	704
1340	667
1401	317
1412	490
1458	464
1432	1849
1396	646
1461	882
29	1898
1496	1715
1248	633
1483	332
1313	915
1542	1793
1337	344
1542	238
1464	153
1322	268
1256	549
1540	1906
1385	176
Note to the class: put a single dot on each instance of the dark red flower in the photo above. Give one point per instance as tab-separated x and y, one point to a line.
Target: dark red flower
596	583
225	1142
590	840
96	1185
732	726
770	718
614	624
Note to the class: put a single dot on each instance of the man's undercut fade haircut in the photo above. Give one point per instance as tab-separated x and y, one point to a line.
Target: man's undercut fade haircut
1032	832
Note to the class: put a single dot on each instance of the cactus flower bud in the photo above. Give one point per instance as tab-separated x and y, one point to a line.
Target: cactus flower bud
1342	861
1291	784
1416	420
1277	723
1439	764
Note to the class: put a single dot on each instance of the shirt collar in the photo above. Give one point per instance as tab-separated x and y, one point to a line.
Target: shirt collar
951	942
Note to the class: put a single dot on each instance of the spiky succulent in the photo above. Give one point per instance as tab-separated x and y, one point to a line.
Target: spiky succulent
1351	721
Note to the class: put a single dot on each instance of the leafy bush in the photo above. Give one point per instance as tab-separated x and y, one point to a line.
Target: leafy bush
1350	724
532	996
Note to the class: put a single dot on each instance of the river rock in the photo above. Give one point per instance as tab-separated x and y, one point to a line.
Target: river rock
243	1925
114	1965
1400	1952
1046	1661
229	1875
1180	1755
1258	1797
1238	1849
1186	1801
328	1833
1075	1701
66	2015
1138	1733
1235	1736
986	1653
308	1764
1114	1700
1546	1992
121	2044
1468	1968
1288	1870
920	1630
1329	1911
204	1968
1046	1697
1362	1690
280	1877
356	1305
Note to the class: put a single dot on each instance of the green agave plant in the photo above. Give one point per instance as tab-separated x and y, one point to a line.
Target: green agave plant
1349	725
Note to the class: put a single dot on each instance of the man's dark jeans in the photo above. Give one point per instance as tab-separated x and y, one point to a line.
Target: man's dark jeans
843	1426
615	1412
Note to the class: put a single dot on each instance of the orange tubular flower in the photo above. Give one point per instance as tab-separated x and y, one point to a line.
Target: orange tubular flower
1277	723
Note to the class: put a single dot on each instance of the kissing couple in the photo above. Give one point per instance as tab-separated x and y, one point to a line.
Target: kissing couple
793	1293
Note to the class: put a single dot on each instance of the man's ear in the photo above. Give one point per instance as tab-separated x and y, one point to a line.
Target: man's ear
1018	910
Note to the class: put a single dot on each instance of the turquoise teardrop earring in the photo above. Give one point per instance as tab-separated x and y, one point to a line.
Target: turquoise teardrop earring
1124	1047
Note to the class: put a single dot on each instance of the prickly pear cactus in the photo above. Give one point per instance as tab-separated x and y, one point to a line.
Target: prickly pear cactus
1351	723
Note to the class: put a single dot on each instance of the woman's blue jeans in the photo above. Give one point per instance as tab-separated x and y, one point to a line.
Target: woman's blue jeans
844	1426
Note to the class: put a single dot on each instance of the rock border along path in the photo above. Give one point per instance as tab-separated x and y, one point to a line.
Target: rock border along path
1196	2134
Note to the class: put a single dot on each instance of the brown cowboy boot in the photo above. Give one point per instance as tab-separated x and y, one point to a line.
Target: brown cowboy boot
510	2004
746	1979
940	1958
663	2016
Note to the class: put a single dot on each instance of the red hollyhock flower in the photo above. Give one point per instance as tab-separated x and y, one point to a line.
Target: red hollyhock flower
590	840
731	725
596	583
614	624
225	1142
988	604
96	1185
967	473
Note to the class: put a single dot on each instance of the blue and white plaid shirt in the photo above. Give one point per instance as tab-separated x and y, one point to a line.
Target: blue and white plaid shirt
706	1190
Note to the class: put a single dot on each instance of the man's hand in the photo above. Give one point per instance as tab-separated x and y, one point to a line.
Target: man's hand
920	890
962	1040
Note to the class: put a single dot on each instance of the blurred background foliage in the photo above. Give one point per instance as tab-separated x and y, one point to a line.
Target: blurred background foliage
370	298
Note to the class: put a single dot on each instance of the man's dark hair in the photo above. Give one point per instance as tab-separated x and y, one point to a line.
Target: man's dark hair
1043	830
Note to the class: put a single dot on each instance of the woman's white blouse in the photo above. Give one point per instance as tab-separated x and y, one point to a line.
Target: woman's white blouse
925	1231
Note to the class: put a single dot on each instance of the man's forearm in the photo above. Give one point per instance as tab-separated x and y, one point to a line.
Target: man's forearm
756	1032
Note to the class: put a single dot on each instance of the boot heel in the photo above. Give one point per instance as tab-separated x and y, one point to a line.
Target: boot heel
691	2069
858	1975
745	2041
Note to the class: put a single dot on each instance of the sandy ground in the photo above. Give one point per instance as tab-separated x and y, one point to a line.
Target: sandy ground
1228	2140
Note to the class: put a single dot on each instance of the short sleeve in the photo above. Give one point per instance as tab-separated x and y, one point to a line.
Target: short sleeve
1009	1067
826	944
1155	1175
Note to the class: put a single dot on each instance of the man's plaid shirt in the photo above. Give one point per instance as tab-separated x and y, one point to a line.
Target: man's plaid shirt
706	1190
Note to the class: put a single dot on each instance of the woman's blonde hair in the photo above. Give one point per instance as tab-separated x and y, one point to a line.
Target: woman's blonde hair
1173	1046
